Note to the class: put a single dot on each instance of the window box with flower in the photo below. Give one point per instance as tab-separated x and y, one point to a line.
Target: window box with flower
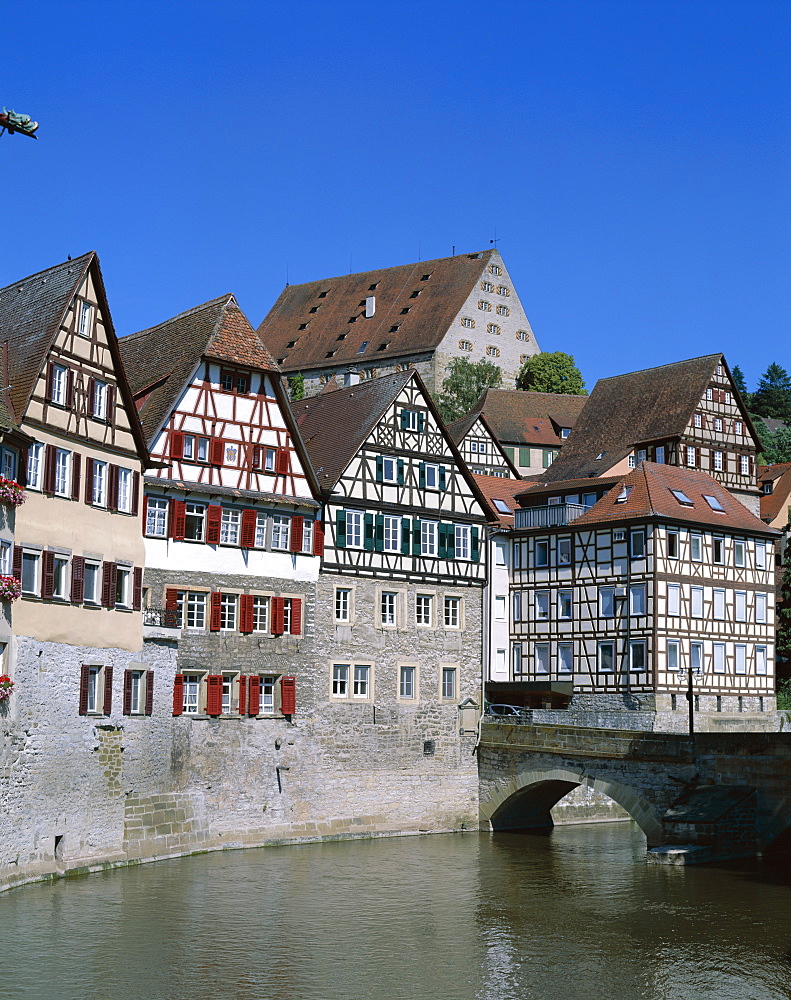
6	687
11	493
10	588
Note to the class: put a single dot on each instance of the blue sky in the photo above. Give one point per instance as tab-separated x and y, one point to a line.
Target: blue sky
632	157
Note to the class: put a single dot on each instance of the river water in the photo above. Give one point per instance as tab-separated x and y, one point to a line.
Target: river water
578	914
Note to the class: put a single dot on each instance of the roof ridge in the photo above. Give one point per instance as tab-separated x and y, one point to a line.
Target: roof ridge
395	267
182	315
54	267
656	368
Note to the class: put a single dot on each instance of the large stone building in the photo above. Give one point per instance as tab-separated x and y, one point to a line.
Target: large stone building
412	316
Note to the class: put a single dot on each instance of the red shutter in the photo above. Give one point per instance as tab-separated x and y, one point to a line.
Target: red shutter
254	702
88	480
50	380
215	451
215	616
297	523
112	487
69	388
109	570
16	563
135	493
277	616
697	458
282	461
149	709
214	694
318	538
246	613
177	509
110	403
296	616
176	444
288	695
85	673
144	521
77	579
108	690
137	588
213	522
171	599
48	577
127	709
91	396
50	455
22	477
249	522
256	452
178	694
243	695
76	464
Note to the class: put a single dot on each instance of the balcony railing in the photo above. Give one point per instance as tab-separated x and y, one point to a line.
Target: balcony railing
552	516
163	617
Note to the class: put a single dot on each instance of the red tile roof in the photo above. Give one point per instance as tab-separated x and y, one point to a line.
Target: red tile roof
529	418
498	488
773	504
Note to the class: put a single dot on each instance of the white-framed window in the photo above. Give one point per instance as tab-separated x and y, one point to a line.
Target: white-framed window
744	465
493	352
203	449
542	605
690	452
718	657
410	420
281	525
487	286
407	682
60	377
637	605
760	608
8	459
738	427
522	335
499	608
448	682
696	600
674	599
564	550
343	604
696	548
260	614
493	328
541	657
226	704
606	657
361	687
718	550
718	424
499	661
195	514
428	538
391	533
484	306
260	531
606	602
709	394
697	420
269	459
541	552
86	315
465	345
740	652
659	454
192	693
696	657
565	657
191	609
99	401
468	322
267	704
354	529
35	465
637	655
31	572
389	469
188	447
62	468
307	536
123	587
516	658
431	473
503	311
95	703
565	605
739	551
637	543
461	536
760	555
740	598
718	602
125	490
5	559
90	587
387	607
228	612
156	515
672	545
60	568
424	609
137	691
99	488
673	655
760	660
229	526
452	612
718	461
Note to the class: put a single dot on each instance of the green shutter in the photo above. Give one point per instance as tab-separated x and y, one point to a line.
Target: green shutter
442	541
404	420
406	530
476	550
442	477
369	532
524	455
379	473
416	547
379	533
400	477
451	541
421	422
422	476
510	453
340	529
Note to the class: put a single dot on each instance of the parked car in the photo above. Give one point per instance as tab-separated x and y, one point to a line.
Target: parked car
504	710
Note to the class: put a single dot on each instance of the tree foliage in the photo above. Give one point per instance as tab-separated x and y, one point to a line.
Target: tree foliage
464	384
783	622
741	384
775	445
552	372
772	398
296	385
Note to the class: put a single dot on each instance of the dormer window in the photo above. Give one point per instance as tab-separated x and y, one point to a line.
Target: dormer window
564	432
623	496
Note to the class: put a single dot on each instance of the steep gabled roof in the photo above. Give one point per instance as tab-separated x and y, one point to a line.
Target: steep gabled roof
525	418
622	411
536	489
161	359
336	300
499	493
647	491
772	504
459	429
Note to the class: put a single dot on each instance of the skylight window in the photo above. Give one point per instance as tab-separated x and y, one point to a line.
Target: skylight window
361	348
383	347
323	295
329	354
682	498
405	311
291	343
600	456
714	503
394	329
623	496
341	336
372	288
502	506
425	277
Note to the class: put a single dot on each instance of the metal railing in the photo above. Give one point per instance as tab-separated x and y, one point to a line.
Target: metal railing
163	617
554	515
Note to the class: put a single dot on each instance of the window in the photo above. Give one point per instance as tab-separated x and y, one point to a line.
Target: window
30	572
465	345
99	487
719	605
606	657
760	660
484	306
407	689
448	682
191	609
495	269
60	565
462	541
516	613
156	515
541	657
696	657
387	607
493	352
125	490
35	465
718	424
542	605
389	469
718	550
99	401
565	604
565	657
280	531
391	537
90	588
673	655
229	527
192	691
741	659
744	465
499	608
307	536
682	498
193	521
487	286
696	594
136	697
203	449
503	311
59	378
267	703
62	464
690	455
760	555
452	612
738	427
354	529
428	538
123	590
5	563
740	598
188	447
709	394
343	597
696	548
362	681
522	335
637	543
548	457
697	420
717	461
95	703
423	609
541	552
637	655
674	599
467	322
637	599
516	657
564	550
493	328
607	602
760	608
432	476
718	657
672	545
659	454
228	609
260	614
260	531
738	552
86	314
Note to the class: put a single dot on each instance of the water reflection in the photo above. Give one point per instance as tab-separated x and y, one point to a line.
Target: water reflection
578	914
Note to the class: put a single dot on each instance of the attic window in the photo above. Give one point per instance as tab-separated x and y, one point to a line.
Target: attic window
281	361
405	310
291	343
314	309
502	506
372	288
341	336
383	347
303	326
600	456
323	295
623	496
330	354
714	503
415	294
352	319
682	498
425	277
565	431
394	329
361	348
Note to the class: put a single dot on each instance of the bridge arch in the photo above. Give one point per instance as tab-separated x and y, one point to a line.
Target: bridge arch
524	801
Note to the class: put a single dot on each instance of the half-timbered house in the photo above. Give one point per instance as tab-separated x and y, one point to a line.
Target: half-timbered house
667	575
232	539
480	449
689	414
400	594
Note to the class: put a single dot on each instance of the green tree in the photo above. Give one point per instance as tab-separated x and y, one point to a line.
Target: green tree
775	445
741	384
553	372
296	385
783	628
464	384
772	398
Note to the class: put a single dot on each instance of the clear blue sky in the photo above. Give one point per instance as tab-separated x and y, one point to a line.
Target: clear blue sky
632	156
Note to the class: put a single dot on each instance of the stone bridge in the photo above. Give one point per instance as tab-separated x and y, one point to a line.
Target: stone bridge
713	796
